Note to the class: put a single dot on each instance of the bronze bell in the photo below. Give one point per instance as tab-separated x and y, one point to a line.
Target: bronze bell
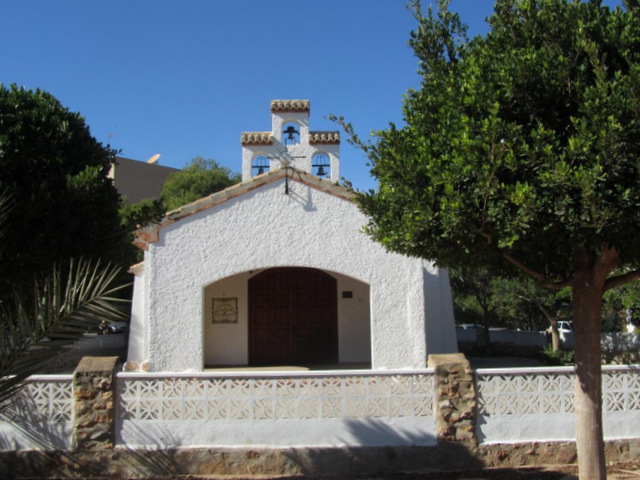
291	131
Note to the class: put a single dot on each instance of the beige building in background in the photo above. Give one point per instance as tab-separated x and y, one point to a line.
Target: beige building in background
139	180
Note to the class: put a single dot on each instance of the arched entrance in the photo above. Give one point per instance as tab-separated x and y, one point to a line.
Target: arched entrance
293	317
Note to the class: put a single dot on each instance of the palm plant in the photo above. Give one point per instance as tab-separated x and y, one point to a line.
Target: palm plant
64	304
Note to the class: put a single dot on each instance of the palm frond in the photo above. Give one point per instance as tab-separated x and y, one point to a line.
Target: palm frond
63	308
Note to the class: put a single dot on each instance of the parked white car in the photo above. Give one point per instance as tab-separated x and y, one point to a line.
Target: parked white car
468	326
564	326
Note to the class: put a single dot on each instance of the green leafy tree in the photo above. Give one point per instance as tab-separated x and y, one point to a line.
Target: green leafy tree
200	178
60	308
517	302
136	215
528	303
622	307
521	148
65	206
475	301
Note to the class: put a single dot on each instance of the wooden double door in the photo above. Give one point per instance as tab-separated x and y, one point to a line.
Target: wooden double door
293	317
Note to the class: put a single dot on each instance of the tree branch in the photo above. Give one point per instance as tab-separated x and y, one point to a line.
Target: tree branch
615	282
541	307
544	311
544	281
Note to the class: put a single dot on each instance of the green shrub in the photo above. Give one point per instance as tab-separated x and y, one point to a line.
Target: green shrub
559	357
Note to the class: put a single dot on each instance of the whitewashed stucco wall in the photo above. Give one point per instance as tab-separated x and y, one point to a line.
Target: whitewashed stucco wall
437	293
265	228
227	344
139	325
354	328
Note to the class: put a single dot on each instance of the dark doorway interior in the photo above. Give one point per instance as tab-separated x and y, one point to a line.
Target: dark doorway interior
293	317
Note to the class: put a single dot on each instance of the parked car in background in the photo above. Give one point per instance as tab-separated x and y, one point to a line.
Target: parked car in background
468	326
114	327
564	326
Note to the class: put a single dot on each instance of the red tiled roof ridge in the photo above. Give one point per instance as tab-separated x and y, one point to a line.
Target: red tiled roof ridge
256	138
324	137
290	105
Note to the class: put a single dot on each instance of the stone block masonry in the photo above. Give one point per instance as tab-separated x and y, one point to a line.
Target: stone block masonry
94	419
455	399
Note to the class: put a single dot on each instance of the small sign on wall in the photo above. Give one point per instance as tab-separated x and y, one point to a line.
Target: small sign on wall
224	310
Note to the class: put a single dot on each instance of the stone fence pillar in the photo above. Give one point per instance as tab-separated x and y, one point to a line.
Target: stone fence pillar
455	399
94	404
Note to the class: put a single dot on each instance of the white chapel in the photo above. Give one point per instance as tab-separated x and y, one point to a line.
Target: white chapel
276	271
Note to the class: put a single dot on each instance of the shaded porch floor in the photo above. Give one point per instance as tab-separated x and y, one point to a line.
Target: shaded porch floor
289	368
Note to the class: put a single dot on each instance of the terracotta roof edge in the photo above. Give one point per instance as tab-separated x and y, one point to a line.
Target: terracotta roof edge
290	105
324	136
256	138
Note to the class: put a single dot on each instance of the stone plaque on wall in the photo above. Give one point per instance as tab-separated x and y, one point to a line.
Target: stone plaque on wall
224	310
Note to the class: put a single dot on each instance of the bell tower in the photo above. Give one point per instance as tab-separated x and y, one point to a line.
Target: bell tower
291	143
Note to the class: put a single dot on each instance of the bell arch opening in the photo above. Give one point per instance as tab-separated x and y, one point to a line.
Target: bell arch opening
321	165
291	134
259	165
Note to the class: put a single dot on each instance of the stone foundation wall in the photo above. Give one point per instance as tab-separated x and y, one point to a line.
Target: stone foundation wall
246	462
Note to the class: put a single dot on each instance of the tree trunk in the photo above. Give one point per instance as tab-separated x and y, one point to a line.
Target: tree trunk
553	321
555	335
485	332
588	288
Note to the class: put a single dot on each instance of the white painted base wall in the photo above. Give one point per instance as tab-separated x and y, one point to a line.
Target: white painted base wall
278	433
350	408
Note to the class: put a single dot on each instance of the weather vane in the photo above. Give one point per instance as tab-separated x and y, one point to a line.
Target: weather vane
286	159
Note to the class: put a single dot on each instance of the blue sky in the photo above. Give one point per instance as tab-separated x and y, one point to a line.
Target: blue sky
184	79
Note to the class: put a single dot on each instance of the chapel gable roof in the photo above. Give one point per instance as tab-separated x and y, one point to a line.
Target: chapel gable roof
150	233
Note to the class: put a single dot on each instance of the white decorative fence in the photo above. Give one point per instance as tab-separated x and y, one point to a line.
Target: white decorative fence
40	415
314	409
323	409
536	404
